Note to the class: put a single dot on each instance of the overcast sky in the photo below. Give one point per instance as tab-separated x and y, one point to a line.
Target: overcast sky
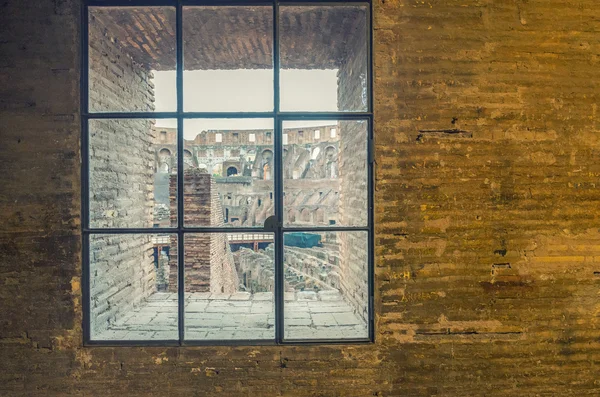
245	91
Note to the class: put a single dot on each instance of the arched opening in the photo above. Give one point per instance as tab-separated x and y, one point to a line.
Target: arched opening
305	215
232	171
188	159
330	152
320	216
267	157
164	161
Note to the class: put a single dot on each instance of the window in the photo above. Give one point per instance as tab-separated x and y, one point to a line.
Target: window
256	241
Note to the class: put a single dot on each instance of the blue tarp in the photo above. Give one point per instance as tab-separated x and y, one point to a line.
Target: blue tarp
302	240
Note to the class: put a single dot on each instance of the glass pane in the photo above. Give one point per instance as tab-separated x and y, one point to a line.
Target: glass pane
130	50
324	58
229	170
326	285
133	287
229	285
325	170
133	180
228	59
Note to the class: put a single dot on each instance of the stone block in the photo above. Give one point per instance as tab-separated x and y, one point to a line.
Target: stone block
263	296
306	296
240	296
323	319
330	295
346	318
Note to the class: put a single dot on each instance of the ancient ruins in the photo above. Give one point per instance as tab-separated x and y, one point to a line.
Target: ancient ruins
228	181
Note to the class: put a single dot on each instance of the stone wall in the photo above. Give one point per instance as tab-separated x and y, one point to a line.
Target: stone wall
121	176
256	270
353	205
306	135
486	241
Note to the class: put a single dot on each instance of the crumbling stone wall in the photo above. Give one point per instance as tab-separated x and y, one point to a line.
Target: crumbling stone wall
256	270
312	269
310	174
121	176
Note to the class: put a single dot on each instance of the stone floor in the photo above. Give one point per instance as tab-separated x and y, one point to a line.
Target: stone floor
308	315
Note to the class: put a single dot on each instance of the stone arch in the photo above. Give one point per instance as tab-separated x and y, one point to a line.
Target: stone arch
291	216
188	159
267	171
305	215
232	171
164	161
330	153
267	155
320	214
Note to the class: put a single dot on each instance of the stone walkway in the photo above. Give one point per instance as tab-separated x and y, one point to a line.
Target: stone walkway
308	315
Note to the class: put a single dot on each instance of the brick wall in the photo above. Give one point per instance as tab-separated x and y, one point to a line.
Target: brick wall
121	178
519	76
209	264
352	159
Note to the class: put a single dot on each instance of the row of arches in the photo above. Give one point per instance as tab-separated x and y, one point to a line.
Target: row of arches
306	215
165	162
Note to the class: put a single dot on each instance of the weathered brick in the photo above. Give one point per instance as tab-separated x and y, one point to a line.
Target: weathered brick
520	77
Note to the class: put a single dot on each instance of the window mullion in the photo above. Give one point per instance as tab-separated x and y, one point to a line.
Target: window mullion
180	168
278	158
85	172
